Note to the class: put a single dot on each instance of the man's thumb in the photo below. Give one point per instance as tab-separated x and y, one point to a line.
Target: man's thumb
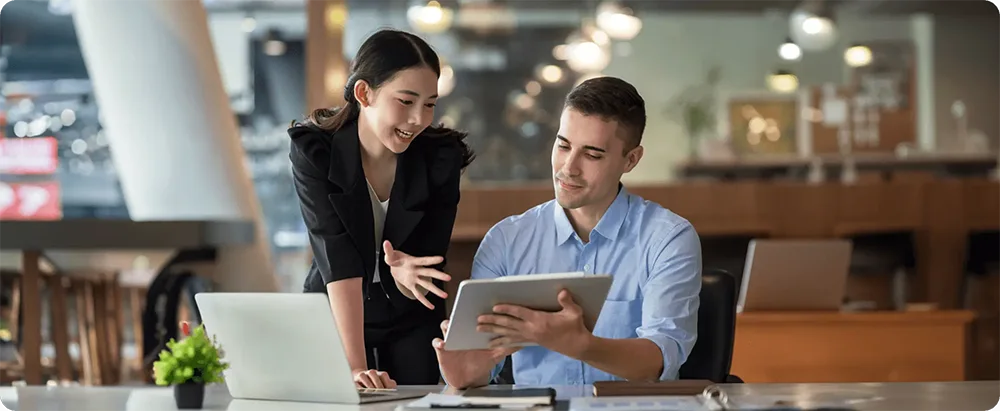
565	299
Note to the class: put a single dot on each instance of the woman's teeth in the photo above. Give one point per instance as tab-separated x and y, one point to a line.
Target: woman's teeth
404	134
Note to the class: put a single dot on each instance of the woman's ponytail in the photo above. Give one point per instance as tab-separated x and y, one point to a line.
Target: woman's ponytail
332	119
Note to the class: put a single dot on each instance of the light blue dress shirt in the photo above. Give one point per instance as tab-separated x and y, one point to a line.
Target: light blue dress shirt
653	255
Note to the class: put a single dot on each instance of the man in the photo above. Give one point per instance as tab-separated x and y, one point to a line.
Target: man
648	325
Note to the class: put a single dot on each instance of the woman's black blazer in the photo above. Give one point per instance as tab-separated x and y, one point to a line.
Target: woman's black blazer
333	195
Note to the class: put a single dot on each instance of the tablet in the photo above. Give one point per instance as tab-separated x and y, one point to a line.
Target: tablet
535	291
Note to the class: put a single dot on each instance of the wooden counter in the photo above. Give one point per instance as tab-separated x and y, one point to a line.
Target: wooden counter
851	347
940	213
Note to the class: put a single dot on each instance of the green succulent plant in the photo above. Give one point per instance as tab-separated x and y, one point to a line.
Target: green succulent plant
195	358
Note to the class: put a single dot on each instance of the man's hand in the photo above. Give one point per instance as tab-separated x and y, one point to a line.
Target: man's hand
562	331
372	379
412	276
467	368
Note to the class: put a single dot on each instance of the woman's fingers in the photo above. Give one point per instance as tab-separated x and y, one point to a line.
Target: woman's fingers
426	261
420	297
431	287
386	381
430	272
364	380
375	379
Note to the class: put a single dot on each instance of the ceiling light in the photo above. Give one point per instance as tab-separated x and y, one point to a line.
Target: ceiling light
587	57
429	18
858	56
812	27
790	51
782	81
620	23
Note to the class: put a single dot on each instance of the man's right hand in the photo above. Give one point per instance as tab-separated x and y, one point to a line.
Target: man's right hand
372	379
467	368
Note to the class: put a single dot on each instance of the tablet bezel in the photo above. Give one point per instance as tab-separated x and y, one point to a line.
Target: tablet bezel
536	291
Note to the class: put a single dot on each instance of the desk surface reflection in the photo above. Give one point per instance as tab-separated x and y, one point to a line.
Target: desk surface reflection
972	395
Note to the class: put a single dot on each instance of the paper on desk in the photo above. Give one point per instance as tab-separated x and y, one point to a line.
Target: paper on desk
444	400
638	403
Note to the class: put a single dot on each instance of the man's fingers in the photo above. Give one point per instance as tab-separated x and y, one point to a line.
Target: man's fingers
504	341
444	327
432	288
438	344
496	329
500	320
513	311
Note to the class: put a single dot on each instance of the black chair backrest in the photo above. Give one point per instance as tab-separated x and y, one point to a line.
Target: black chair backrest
712	355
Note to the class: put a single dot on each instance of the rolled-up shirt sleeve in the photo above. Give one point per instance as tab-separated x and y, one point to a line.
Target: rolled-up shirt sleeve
488	264
670	298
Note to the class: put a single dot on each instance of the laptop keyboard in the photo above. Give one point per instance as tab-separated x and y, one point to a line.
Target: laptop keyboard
375	392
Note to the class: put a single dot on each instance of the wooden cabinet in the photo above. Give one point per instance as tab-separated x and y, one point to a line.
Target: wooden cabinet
851	347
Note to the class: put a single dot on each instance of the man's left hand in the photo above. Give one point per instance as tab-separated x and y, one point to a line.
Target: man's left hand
562	331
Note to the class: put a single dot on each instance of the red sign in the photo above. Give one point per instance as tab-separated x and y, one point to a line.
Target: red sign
33	155
30	201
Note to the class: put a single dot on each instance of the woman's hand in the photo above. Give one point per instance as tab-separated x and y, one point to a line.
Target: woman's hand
412	275
372	379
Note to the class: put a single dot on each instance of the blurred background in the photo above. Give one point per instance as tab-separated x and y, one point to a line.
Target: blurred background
863	119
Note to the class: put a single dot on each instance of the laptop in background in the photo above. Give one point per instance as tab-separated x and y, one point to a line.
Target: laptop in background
795	275
286	347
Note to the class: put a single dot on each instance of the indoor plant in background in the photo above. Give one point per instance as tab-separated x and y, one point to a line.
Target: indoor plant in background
188	365
695	109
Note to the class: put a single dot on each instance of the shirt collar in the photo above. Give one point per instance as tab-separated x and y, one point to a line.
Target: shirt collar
609	225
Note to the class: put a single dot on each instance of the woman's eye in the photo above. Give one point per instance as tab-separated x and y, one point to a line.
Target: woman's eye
431	105
404	102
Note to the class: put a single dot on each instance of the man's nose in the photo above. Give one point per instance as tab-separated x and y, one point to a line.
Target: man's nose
571	167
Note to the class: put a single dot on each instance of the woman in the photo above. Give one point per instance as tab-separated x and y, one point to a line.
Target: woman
379	190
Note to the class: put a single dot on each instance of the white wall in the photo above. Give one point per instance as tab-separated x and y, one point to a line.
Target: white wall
673	52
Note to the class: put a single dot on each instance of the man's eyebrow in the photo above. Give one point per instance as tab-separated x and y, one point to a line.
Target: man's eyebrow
414	93
565	140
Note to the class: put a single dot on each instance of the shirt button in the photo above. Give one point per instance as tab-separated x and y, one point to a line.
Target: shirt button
586	267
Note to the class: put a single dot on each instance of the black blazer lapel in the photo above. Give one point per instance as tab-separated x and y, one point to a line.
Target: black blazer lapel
408	197
353	203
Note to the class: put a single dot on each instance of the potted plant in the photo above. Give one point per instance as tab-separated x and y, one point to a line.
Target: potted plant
188	365
695	109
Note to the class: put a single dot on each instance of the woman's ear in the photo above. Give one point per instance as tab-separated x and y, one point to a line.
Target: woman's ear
362	93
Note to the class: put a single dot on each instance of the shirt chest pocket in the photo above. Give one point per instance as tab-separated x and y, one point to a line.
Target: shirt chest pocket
622	311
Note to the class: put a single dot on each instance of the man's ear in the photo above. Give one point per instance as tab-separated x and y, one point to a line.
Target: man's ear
362	93
632	158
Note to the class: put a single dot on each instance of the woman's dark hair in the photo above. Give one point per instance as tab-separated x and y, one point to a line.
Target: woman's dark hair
380	57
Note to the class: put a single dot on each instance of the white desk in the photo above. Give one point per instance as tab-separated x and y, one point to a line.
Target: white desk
978	395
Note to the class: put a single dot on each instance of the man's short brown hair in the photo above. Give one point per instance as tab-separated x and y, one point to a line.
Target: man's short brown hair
611	98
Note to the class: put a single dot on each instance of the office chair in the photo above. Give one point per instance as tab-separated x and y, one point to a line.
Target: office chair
713	352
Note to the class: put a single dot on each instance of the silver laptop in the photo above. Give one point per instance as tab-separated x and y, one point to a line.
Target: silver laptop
795	275
286	347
